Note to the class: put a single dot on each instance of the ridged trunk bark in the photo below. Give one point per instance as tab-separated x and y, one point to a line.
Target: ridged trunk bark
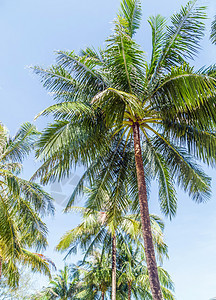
129	290
145	218
114	267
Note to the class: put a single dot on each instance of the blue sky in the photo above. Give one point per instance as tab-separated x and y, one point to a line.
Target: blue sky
30	32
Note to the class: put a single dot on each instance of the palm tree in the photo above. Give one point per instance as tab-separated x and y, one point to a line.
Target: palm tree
91	278
164	108
97	276
21	204
93	230
62	286
113	203
86	280
96	230
134	274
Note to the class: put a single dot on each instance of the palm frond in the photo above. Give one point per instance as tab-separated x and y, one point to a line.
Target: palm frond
66	110
21	144
9	234
37	262
59	82
200	143
87	177
84	68
213	31
160	169
183	36
123	57
131	12
183	90
157	24
188	174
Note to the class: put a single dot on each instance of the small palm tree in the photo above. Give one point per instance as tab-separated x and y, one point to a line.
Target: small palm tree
163	108
134	275
97	277
63	286
21	203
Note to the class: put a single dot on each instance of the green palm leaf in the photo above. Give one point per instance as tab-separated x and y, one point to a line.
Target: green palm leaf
183	36
131	12
213	31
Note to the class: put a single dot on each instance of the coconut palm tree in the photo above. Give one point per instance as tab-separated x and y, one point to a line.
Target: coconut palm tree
63	286
133	274
164	108
97	277
94	275
86	280
21	204
96	230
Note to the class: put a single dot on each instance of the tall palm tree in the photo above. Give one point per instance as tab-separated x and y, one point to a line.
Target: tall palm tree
21	205
164	108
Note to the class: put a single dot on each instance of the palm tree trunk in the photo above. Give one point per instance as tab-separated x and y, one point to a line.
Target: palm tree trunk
129	290
145	219
114	267
102	296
